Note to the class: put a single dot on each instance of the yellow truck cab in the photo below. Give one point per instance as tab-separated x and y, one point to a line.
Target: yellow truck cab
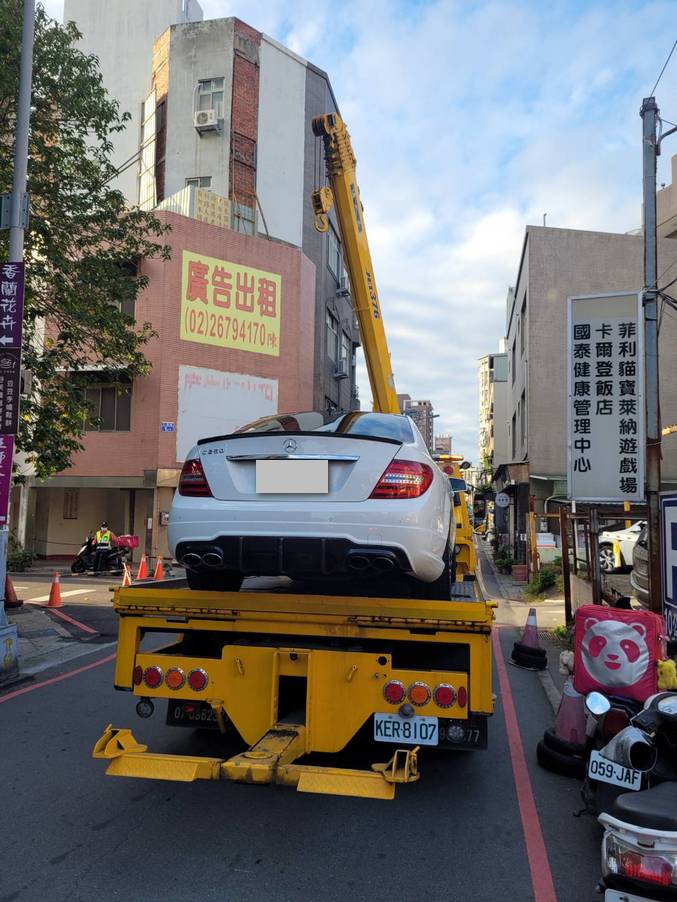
450	464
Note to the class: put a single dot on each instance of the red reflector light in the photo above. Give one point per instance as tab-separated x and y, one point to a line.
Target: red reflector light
193	481
615	720
646	867
197	679
175	678
419	694
394	692
138	675
403	479
444	695
152	676
462	697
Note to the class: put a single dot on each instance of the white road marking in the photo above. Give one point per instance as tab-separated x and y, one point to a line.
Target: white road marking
66	594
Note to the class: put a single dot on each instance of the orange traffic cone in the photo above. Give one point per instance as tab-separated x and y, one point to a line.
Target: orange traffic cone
159	570
55	592
142	572
528	653
126	576
11	601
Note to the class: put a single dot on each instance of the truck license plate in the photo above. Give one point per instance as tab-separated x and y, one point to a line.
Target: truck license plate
191	714
600	768
415	730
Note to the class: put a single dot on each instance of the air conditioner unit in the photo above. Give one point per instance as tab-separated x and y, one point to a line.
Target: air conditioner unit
341	371
344	287
205	120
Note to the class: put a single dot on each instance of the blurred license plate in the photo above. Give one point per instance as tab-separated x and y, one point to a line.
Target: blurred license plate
191	714
600	768
416	730
612	895
292	477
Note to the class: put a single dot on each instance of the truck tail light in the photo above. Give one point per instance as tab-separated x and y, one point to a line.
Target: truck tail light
193	481
175	678
138	675
462	697
394	692
444	695
419	694
152	676
198	679
403	479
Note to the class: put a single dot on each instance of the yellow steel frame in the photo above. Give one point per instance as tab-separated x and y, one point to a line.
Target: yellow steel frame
344	687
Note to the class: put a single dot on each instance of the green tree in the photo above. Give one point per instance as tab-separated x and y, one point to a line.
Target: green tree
83	243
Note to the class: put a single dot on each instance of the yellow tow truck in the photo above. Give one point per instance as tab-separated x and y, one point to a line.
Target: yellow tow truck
296	677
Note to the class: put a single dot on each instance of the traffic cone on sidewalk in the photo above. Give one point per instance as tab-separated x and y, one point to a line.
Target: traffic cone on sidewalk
570	720
11	601
142	572
55	592
126	576
528	652
159	570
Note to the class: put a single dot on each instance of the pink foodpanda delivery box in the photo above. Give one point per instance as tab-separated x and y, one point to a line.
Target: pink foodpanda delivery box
615	651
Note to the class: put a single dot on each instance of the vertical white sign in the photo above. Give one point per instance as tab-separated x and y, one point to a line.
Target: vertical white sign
605	436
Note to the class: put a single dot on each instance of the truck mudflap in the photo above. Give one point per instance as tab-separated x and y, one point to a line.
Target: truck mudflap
270	760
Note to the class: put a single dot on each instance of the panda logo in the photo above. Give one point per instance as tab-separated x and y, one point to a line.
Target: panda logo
615	653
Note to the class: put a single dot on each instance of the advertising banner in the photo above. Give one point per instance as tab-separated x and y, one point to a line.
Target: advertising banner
229	305
668	503
6	452
605	436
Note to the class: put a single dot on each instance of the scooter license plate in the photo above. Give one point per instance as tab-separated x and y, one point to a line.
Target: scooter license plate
606	771
416	730
612	895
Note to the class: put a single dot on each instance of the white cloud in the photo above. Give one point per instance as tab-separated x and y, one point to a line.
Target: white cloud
470	121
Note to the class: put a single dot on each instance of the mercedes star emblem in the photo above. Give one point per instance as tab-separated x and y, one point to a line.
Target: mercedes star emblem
290	445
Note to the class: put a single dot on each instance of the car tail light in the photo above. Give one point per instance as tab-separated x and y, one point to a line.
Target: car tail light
615	720
394	692
193	481
198	679
152	676
444	695
138	675
419	694
403	479
175	678
462	697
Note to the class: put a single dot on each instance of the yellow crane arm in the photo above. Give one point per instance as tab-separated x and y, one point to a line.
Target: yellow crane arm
345	194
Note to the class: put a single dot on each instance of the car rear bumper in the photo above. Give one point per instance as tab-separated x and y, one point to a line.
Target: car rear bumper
640	587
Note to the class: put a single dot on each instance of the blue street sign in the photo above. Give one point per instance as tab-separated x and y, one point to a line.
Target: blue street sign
668	502
167	427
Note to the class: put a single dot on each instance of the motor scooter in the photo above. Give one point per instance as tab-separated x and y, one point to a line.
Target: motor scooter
86	558
639	846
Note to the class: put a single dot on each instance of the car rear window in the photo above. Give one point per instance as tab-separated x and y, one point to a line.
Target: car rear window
374	425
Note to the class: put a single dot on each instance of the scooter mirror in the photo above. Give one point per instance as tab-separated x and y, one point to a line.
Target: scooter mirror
597	704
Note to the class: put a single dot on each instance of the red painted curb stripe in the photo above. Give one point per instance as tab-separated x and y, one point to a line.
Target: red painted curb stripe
67	617
541	875
56	679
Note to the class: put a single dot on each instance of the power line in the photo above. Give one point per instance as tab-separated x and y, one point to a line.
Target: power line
660	75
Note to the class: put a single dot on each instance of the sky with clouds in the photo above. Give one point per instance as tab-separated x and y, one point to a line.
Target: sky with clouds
471	120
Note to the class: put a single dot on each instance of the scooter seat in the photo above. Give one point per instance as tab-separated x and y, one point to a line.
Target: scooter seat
655	808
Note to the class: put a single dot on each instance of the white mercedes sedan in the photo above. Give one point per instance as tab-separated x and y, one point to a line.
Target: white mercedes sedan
312	495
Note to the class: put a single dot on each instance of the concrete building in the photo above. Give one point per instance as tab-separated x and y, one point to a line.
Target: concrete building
555	264
121	33
224	107
422	414
493	384
199	384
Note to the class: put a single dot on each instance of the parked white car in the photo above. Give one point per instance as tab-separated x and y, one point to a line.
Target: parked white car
622	539
314	495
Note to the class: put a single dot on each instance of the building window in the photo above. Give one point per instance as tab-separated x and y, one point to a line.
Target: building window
345	353
514	436
523	421
209	96
512	362
523	320
110	408
334	256
200	181
332	336
330	406
71	501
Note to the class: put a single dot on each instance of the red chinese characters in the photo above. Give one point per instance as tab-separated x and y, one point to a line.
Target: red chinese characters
196	290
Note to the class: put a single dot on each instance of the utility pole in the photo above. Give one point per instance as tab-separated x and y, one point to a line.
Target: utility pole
649	114
17	223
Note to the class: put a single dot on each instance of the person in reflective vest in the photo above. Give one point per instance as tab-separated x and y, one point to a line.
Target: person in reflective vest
104	540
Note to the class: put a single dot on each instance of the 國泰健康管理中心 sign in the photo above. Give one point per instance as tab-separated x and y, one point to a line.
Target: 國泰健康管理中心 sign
605	437
230	305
